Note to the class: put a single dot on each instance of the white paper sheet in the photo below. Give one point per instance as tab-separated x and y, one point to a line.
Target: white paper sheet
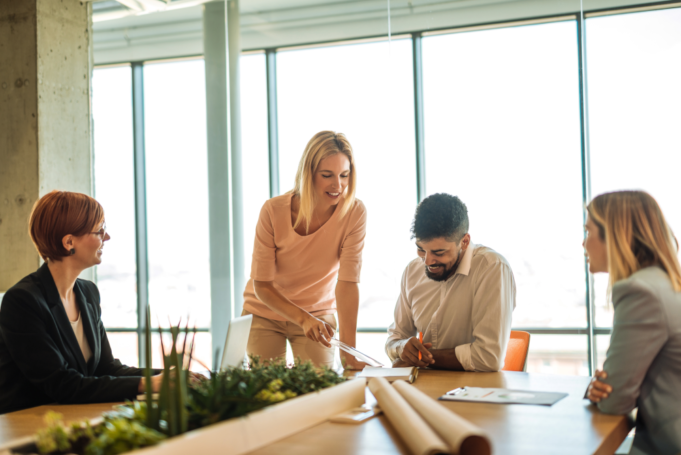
504	396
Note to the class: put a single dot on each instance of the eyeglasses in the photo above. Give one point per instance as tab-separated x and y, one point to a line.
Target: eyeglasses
101	233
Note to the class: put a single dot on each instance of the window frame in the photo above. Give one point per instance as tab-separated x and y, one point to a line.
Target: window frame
591	330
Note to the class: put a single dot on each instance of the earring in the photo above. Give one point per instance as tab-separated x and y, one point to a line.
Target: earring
72	251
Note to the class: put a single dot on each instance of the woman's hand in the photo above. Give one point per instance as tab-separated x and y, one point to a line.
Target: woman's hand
195	378
155	384
157	380
349	362
317	330
410	353
598	390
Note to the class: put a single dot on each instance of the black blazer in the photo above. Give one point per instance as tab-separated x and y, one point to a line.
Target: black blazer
40	359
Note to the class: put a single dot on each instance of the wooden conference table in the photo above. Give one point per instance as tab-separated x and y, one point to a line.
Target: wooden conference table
571	426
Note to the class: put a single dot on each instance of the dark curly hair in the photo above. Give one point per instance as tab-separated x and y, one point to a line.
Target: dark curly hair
440	215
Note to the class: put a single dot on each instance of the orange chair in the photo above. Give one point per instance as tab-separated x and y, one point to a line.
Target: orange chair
516	353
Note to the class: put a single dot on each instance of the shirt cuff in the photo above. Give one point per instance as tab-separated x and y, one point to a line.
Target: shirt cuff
395	349
463	354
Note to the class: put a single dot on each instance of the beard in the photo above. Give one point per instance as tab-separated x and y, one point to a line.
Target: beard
446	272
442	275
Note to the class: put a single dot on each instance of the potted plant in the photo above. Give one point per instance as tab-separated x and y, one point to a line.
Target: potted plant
186	403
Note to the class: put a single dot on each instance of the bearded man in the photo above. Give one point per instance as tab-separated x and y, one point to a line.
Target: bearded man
459	295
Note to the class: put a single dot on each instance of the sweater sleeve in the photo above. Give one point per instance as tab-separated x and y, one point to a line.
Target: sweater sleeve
352	246
263	265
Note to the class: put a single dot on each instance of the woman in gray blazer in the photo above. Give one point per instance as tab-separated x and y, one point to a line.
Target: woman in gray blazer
628	237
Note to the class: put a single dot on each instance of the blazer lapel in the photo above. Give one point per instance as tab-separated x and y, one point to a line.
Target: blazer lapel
57	310
88	318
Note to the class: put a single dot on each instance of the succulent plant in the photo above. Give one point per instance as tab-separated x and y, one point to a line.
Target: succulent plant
236	392
120	435
54	437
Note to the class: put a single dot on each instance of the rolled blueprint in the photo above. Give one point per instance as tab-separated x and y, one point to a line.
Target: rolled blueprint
414	431
462	437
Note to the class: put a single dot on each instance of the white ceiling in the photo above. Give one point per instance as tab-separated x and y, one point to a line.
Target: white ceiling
125	34
260	6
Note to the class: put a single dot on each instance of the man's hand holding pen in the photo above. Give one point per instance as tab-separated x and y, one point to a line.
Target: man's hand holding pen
411	351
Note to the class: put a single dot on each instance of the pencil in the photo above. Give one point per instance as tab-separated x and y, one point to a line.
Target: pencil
420	341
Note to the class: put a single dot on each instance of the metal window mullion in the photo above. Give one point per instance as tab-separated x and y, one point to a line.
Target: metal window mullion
417	63
586	180
272	120
140	206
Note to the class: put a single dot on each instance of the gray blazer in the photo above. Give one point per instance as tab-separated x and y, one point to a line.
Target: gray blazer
644	360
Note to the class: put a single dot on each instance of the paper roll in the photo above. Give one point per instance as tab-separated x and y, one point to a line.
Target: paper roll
419	437
462	437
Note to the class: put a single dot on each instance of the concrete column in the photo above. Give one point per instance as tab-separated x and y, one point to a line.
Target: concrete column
221	52
45	117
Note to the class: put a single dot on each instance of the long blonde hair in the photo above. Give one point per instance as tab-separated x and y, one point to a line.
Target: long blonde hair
636	235
322	145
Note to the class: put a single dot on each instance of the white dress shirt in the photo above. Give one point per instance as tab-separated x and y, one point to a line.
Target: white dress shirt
469	312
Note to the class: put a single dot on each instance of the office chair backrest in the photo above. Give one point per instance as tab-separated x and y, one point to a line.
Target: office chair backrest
516	353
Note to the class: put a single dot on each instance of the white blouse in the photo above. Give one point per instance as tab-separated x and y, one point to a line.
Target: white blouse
77	327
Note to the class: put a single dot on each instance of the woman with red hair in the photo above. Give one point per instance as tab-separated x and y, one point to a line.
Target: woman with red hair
53	346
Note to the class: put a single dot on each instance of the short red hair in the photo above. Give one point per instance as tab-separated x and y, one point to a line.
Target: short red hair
58	214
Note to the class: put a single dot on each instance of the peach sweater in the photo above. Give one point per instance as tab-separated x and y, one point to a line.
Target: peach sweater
305	268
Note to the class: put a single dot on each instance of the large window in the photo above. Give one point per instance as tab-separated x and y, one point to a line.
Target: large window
177	191
255	157
506	125
177	195
502	133
115	190
634	69
504	136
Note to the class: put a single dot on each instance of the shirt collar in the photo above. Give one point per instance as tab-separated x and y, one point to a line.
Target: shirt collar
465	266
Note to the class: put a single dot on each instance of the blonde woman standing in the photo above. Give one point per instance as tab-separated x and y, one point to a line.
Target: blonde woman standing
628	237
307	259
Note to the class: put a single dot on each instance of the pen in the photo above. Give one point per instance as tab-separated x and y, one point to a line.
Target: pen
420	341
455	391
